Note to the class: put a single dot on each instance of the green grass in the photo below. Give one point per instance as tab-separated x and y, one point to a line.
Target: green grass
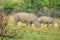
24	32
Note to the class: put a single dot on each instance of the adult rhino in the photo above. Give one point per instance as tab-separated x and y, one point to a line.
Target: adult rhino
27	18
45	20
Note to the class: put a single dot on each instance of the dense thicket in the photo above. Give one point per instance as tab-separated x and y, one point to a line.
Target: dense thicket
30	5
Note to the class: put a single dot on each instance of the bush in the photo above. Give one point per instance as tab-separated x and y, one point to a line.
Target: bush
8	6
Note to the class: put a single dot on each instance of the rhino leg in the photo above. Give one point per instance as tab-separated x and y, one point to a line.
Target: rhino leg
31	24
52	23
48	25
15	22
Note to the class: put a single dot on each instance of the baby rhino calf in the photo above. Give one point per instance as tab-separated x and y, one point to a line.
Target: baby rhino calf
45	20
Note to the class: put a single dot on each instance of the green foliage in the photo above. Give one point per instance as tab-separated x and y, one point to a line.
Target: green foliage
7	6
32	34
44	9
30	5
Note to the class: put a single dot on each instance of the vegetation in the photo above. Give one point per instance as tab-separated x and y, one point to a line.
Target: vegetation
22	31
29	5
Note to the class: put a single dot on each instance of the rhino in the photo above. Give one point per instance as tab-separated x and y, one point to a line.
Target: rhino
27	18
45	20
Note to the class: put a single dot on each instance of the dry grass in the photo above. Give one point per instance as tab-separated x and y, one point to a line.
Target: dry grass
24	32
11	20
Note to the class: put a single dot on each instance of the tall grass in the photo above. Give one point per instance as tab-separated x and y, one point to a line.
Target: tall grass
24	32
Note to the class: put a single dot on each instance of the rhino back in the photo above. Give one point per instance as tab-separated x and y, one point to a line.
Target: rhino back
45	19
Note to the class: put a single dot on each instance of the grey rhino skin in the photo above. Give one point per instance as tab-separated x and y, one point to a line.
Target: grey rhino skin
27	18
45	20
